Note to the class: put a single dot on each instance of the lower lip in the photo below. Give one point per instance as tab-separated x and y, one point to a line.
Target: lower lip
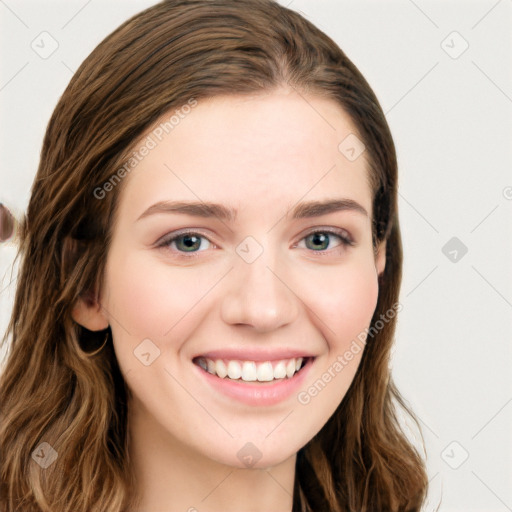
263	393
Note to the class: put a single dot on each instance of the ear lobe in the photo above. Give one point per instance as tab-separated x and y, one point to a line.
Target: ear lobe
89	314
380	259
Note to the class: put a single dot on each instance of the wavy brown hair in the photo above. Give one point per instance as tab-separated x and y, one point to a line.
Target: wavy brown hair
57	387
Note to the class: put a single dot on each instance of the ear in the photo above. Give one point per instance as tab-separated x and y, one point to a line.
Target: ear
89	314
380	258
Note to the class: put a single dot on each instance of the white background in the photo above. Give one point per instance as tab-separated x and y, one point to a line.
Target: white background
451	118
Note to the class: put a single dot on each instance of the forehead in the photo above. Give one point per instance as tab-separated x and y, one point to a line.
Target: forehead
265	151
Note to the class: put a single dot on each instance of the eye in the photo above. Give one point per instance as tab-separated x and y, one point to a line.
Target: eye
191	241
184	242
320	240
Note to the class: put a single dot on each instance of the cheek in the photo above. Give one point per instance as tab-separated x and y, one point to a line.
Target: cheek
148	299
344	301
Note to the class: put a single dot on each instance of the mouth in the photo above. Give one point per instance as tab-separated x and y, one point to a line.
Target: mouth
270	371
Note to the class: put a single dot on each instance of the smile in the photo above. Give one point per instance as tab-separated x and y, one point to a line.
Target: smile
251	371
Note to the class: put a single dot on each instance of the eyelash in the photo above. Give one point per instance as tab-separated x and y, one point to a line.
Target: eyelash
346	241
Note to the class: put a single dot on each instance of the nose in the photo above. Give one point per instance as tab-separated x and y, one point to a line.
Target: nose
260	294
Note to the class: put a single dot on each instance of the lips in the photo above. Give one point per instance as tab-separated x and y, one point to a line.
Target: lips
256	393
257	354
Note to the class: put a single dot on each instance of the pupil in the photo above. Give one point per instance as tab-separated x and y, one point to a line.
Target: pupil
189	241
319	238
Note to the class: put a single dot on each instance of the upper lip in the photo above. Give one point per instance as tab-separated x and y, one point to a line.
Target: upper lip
254	354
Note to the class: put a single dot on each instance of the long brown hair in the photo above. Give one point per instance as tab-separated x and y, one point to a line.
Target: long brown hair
58	387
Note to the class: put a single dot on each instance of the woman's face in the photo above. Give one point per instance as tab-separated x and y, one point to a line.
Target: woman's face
248	280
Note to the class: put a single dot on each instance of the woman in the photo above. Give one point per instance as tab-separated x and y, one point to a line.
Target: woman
178	340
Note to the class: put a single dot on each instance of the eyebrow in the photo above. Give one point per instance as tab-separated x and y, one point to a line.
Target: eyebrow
205	209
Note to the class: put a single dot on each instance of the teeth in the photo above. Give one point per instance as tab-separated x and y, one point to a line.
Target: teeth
250	371
290	368
211	365
234	370
220	369
265	372
280	370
